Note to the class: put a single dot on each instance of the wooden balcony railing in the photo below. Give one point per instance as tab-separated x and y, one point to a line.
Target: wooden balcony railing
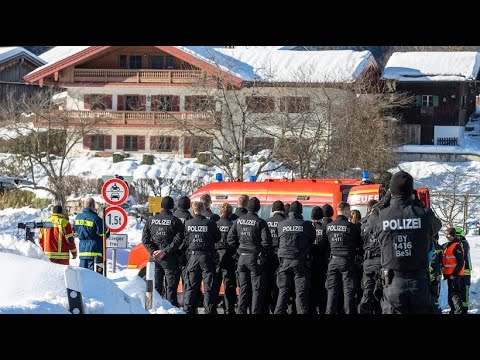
151	118
139	76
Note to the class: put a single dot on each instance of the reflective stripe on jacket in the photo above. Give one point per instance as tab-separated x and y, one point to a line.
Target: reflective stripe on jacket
57	241
89	227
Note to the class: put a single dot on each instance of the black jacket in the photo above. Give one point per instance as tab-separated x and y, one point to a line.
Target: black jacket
273	226
344	237
163	232
210	215
250	234
183	215
296	236
201	234
224	225
405	233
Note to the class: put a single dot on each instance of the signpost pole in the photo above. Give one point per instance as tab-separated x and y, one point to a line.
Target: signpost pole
104	236
114	260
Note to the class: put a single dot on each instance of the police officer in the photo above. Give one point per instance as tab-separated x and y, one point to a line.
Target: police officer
320	252
344	239
250	237
241	207
370	302
183	204
436	270
162	236
278	210
327	214
207	201
405	233
295	239
468	269
453	270
225	264
201	235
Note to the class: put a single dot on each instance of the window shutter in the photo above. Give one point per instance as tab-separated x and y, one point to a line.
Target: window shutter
269	143
435	101
210	143
108	102
174	143
87	140
188	103
143	102
283	104
154	142
141	143
176	103
120	103
418	100
107	142
187	147
248	144
86	101
120	142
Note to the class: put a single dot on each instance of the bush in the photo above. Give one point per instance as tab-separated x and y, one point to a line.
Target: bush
80	186
204	158
16	198
118	156
148	159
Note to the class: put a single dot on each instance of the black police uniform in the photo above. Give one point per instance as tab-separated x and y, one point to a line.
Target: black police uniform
238	212
272	263
295	239
344	238
370	302
436	271
466	276
183	215
405	232
225	267
210	215
250	237
165	232
320	255
201	235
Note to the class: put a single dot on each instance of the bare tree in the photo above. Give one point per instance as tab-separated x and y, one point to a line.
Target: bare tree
40	137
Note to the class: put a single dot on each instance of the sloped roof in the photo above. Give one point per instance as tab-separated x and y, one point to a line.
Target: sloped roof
7	53
433	66
277	65
273	64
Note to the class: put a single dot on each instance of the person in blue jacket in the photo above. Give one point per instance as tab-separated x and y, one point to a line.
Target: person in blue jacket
90	229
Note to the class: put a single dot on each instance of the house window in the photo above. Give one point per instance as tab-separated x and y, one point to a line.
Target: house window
169	62
295	104
463	102
135	103
165	103
164	143
157	62
97	142
256	144
199	103
130	61
427	100
260	104
130	143
97	102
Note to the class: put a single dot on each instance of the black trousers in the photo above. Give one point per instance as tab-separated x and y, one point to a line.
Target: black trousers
271	294
225	271
167	267
200	267
251	280
408	295
342	277
455	295
370	303
318	292
297	271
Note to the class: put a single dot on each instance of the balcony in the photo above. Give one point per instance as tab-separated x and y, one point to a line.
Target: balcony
205	120
138	76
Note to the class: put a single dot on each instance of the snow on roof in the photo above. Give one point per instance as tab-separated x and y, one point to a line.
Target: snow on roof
433	66
9	52
273	65
58	53
263	63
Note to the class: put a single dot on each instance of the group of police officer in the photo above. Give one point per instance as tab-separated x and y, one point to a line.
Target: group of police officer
288	262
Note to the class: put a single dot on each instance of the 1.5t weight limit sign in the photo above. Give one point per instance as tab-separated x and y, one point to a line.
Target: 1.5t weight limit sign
115	218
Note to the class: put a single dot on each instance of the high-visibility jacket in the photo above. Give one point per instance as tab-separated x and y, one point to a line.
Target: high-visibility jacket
57	241
90	227
452	258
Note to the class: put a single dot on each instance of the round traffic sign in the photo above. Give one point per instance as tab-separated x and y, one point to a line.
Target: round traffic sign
115	191
115	218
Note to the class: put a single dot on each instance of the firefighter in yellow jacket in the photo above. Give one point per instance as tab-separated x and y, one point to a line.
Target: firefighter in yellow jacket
57	241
